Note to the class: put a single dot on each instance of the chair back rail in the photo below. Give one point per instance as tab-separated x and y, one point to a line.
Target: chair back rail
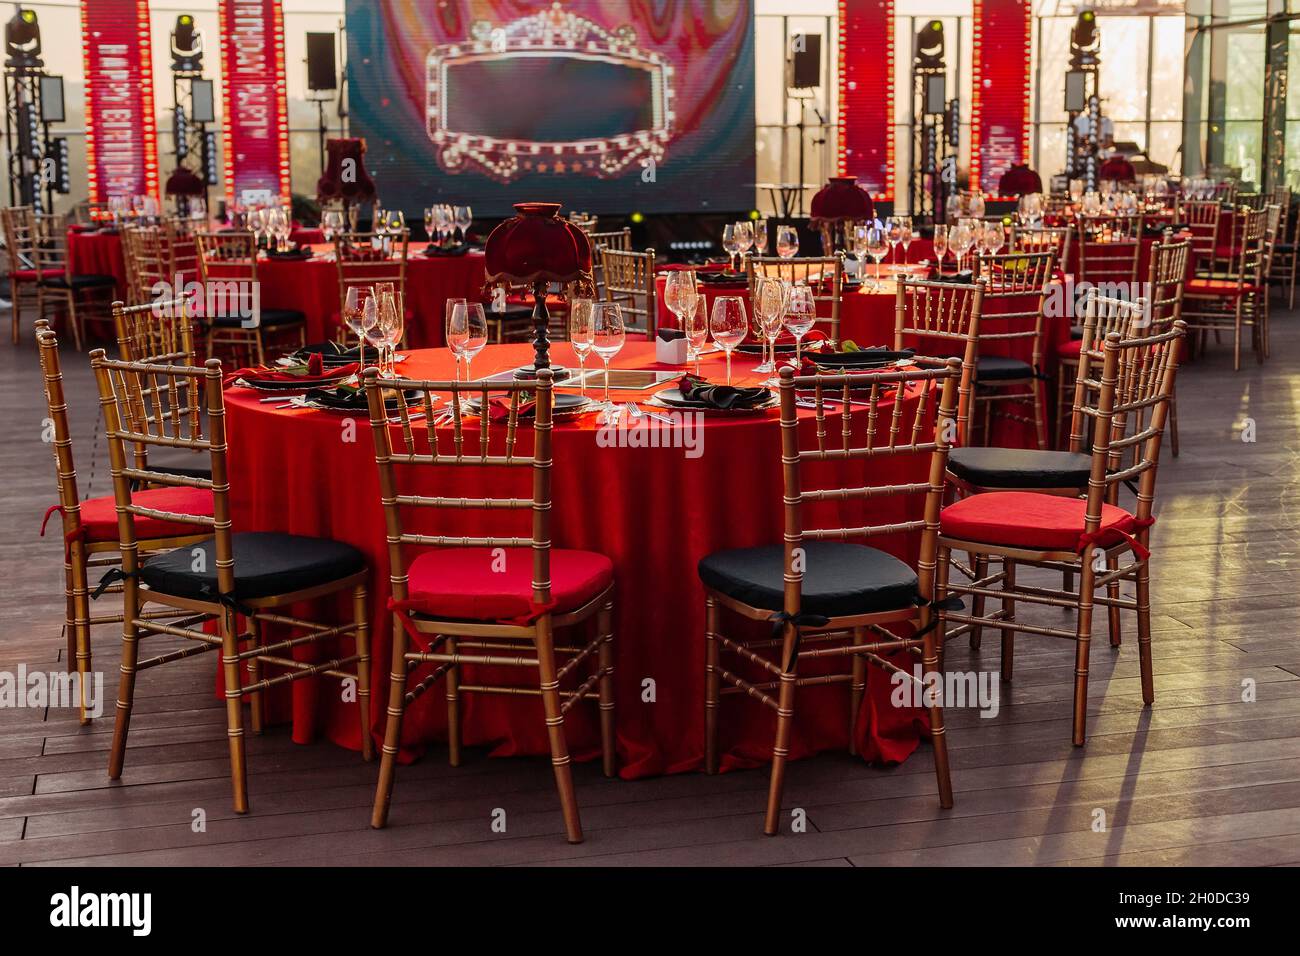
629	280
1054	239
1110	248
1015	289
812	271
1166	280
427	444
56	403
927	313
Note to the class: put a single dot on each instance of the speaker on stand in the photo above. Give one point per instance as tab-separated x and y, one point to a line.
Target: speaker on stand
322	80
803	76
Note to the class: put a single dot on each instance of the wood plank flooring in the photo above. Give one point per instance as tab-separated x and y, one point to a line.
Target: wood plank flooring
1202	778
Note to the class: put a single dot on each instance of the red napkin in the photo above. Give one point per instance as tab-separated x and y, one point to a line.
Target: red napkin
499	409
313	376
811	336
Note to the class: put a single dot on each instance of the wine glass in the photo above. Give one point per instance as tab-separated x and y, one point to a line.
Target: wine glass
454	345
354	305
581	313
331	223
731	242
680	293
801	310
905	234
728	323
429	221
392	326
467	327
787	241
760	236
255	219
876	245
769	309
940	245
696	327
396	222
372	330
993	237
894	233
1029	210
607	336
463	217
960	239
745	235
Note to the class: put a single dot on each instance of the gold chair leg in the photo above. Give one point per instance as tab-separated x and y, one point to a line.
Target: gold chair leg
605	661
980	565
938	733
1144	632
126	683
361	616
550	687
784	720
1083	642
1113	620
452	679
942	569
69	621
393	726
1009	614
857	688
16	331
234	708
712	685
256	703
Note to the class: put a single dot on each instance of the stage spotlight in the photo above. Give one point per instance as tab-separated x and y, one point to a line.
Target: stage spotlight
1085	40
929	46
187	46
637	217
23	40
755	215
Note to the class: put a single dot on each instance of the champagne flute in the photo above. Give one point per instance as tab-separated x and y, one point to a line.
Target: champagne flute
905	236
580	337
760	236
454	341
940	245
607	336
429	220
894	233
801	309
728	324
697	330
468	325
731	243
787	242
876	245
769	309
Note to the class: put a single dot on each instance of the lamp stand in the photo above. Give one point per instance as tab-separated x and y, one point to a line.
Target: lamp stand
541	340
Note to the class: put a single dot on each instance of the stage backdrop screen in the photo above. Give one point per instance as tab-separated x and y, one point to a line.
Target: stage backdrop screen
608	106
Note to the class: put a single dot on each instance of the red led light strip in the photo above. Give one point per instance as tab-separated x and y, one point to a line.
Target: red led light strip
255	110
121	133
866	134
999	119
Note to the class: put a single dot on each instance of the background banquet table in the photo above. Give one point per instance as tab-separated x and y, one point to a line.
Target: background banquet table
311	286
654	511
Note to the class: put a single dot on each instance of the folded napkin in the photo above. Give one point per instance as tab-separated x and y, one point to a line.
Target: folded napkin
290	254
722	397
313	373
433	251
670	335
965	277
722	278
499	410
810	337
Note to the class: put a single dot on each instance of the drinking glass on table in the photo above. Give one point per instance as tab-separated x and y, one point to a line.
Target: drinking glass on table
371	329
769	309
581	334
607	336
960	239
354	306
876	245
731	242
760	236
467	332
745	233
429	222
463	217
696	327
787	242
331	223
680	293
801	310
728	323
940	245
994	237
905	234
894	233
448	310
392	324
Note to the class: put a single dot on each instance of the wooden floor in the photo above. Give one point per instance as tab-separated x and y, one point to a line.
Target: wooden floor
1201	778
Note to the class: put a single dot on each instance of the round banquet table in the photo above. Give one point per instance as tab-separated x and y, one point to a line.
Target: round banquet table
653	510
867	318
311	286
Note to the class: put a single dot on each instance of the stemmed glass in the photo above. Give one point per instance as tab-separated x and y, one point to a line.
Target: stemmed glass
354	307
372	328
463	217
745	236
940	245
787	241
331	223
467	332
283	230
894	233
392	325
430	219
760	236
769	309
696	326
680	294
876	245
581	322
731	242
993	237
607	336
396	222
801	312
1029	210
905	235
450	310
728	323
960	239
256	220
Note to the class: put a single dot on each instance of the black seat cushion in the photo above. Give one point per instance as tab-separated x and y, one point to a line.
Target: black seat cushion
265	564
77	283
270	317
994	368
839	578
1020	468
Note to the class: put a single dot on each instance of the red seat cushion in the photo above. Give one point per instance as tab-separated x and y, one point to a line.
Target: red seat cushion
34	275
1070	350
1217	288
1227	252
490	584
1036	522
99	515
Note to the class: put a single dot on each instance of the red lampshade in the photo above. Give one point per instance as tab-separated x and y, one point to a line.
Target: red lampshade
1118	169
182	182
842	198
355	188
1019	180
538	246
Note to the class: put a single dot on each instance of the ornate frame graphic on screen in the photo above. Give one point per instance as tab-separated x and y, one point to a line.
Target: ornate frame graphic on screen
552	33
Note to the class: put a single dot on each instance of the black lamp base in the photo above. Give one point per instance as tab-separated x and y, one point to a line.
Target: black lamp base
558	373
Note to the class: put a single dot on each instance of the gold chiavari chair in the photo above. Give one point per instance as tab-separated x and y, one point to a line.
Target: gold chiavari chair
972	469
1087	535
1282	272
225	575
1166	284
90	525
1230	301
158	257
232	307
822	587
485	600
1226	191
935	317
629	279
1015	288
1053	239
1110	250
1202	219
21	235
359	259
619	240
823	274
59	286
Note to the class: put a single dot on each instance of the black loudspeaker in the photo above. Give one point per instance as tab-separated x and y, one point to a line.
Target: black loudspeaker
321	73
805	61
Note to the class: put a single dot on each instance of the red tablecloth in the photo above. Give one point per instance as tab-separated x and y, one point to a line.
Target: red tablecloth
654	511
312	286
